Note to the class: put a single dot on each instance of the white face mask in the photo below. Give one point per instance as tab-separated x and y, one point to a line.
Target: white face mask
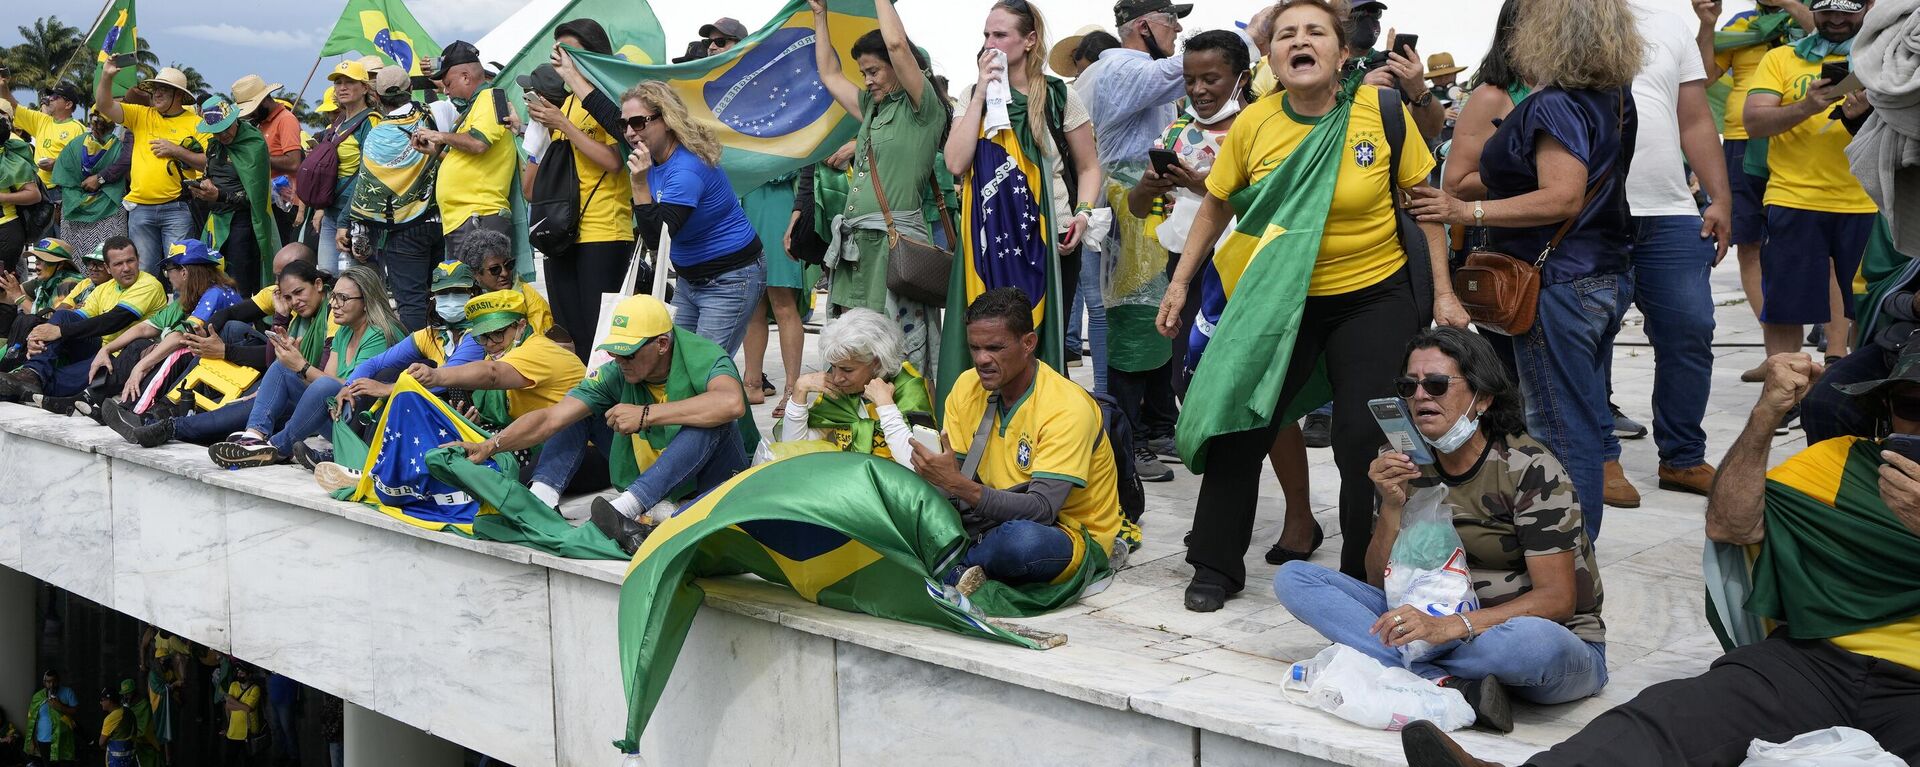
452	309
1457	436
1231	108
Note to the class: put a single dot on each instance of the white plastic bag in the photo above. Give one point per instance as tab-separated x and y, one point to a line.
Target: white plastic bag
1428	567
1832	747
1343	682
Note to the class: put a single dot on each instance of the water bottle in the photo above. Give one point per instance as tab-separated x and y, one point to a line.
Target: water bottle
1300	676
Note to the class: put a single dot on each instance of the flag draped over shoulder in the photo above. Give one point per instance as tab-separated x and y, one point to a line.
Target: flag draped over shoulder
1835	559
394	476
1006	235
631	27
113	35
763	97
384	28
248	155
1270	255
844	530
1763	29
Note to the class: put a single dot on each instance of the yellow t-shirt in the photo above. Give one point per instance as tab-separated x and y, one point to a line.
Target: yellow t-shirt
477	184
263	299
539	314
1361	245
111	725
606	198
554	372
1739	64
1807	165
49	135
241	724
154	180
77	297
1264	81
171	645
143	298
1052	431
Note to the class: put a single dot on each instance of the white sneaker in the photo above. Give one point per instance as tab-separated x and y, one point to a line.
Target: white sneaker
333	477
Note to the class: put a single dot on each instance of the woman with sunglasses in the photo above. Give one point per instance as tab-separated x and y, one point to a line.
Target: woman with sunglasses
295	396
1538	632
675	166
489	255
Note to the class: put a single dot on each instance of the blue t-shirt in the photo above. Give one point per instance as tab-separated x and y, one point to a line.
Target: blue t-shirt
718	226
43	727
282	690
217	298
1589	124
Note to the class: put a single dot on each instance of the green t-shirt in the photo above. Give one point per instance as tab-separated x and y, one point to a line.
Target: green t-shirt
905	141
372	343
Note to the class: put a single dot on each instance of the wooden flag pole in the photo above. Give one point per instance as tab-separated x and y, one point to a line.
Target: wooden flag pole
309	81
83	44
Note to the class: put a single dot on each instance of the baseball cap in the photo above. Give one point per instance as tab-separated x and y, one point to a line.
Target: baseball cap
1363	5
189	252
51	249
635	321
545	80
489	312
391	80
1836	6
217	113
451	275
251	91
1128	10
350	70
65	91
327	104
99	252
731	27
460	52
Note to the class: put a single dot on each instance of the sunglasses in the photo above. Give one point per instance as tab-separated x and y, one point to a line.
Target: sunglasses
639	122
1904	408
722	40
497	270
1435	384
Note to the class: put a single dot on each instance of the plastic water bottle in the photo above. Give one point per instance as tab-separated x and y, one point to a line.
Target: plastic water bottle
1300	676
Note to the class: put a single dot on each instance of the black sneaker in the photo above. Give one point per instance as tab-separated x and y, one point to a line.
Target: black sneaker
19	386
624	531
1624	427
1205	596
244	453
1817	337
1318	429
59	405
1488	697
309	456
1149	467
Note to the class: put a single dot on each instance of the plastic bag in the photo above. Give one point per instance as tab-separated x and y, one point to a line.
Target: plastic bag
1428	566
1832	747
1346	683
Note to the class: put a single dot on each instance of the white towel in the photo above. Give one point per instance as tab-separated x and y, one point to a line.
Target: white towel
1885	156
998	96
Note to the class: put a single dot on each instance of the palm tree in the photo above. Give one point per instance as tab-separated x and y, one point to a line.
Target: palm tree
49	45
196	84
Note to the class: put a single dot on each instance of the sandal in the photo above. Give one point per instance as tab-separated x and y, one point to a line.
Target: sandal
780	410
1279	555
766	386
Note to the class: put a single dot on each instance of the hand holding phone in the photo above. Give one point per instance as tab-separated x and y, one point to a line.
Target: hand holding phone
1905	445
125	60
1405	45
1164	160
1833	72
1391	413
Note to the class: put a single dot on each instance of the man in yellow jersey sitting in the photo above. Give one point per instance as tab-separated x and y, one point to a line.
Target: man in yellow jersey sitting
1837	528
60	350
1033	467
164	135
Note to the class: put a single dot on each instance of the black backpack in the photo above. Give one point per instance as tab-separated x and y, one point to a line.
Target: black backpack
1133	497
553	204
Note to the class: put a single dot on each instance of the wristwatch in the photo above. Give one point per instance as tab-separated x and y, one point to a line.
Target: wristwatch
1425	98
1479	215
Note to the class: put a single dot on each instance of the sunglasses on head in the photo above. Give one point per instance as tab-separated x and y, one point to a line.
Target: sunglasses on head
639	122
1435	384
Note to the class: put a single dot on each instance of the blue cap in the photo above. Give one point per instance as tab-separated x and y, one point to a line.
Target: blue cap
217	113
190	252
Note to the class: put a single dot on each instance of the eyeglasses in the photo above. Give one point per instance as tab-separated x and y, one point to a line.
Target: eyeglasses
1904	408
340	300
639	122
495	336
1435	384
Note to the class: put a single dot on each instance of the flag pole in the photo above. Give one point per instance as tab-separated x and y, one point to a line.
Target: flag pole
95	27
309	81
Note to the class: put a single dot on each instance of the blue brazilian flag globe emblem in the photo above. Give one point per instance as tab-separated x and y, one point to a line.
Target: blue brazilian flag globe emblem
398	50
773	89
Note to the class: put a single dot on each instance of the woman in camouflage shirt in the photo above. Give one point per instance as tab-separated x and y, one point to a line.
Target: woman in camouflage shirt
1538	631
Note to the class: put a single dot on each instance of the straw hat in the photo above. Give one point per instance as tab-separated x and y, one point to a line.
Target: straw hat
251	91
1060	57
172	78
1441	64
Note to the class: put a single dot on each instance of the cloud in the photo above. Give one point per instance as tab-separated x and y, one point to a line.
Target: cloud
234	34
450	20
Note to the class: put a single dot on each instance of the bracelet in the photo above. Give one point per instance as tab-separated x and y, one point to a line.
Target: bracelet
304	369
1463	619
644	410
1085	207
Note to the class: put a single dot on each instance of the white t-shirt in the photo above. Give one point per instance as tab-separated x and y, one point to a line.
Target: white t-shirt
1657	183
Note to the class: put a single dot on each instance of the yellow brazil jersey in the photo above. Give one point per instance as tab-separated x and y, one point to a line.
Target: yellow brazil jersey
1739	65
554	372
49	135
243	724
539	314
606	198
143	298
1264	81
1816	471
154	180
1807	165
477	184
77	297
1361	245
263	298
1052	431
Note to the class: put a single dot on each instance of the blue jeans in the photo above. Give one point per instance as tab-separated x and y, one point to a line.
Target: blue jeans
297	407
328	248
1826	413
63	366
1088	292
1671	265
406	259
155	227
1563	365
1019	552
216	426
1536	659
285	742
718	309
706	456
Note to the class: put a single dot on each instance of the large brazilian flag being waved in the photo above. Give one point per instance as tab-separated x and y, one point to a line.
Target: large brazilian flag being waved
112	35
763	98
630	25
383	28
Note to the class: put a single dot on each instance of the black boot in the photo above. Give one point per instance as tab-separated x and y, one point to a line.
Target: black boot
19	386
1488	697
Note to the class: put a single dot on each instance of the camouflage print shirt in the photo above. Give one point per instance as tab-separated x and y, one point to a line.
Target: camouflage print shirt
1517	502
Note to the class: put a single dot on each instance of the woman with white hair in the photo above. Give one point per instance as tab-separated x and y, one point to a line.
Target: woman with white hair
868	395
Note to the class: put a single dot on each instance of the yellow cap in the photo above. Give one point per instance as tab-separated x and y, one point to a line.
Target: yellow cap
327	104
350	70
637	320
489	312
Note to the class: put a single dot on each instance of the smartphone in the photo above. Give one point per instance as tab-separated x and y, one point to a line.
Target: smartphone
1906	445
1401	43
1397	424
1834	71
922	419
1164	160
125	60
927	438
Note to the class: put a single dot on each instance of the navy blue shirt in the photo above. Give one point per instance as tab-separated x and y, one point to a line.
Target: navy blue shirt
1589	124
717	226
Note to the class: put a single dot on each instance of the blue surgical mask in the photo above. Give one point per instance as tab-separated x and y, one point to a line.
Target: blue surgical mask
452	309
1457	436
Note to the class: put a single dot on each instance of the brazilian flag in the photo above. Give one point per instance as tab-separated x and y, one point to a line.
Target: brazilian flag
114	34
394	475
763	97
384	28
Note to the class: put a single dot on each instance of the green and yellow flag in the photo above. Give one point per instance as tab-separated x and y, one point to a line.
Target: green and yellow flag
383	28
631	27
113	35
763	97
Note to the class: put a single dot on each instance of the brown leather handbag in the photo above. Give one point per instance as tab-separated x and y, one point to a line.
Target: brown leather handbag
916	270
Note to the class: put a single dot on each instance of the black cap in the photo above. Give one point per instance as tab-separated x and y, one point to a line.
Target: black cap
460	52
1362	5
729	27
65	91
545	80
1906	369
1128	10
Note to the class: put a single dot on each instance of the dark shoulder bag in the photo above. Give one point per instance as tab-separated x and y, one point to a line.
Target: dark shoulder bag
1500	291
916	269
1412	241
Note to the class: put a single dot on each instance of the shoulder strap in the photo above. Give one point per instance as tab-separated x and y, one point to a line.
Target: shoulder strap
1395	123
1593	189
971	467
879	193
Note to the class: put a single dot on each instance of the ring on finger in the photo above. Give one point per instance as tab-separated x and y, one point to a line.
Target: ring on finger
1399	619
